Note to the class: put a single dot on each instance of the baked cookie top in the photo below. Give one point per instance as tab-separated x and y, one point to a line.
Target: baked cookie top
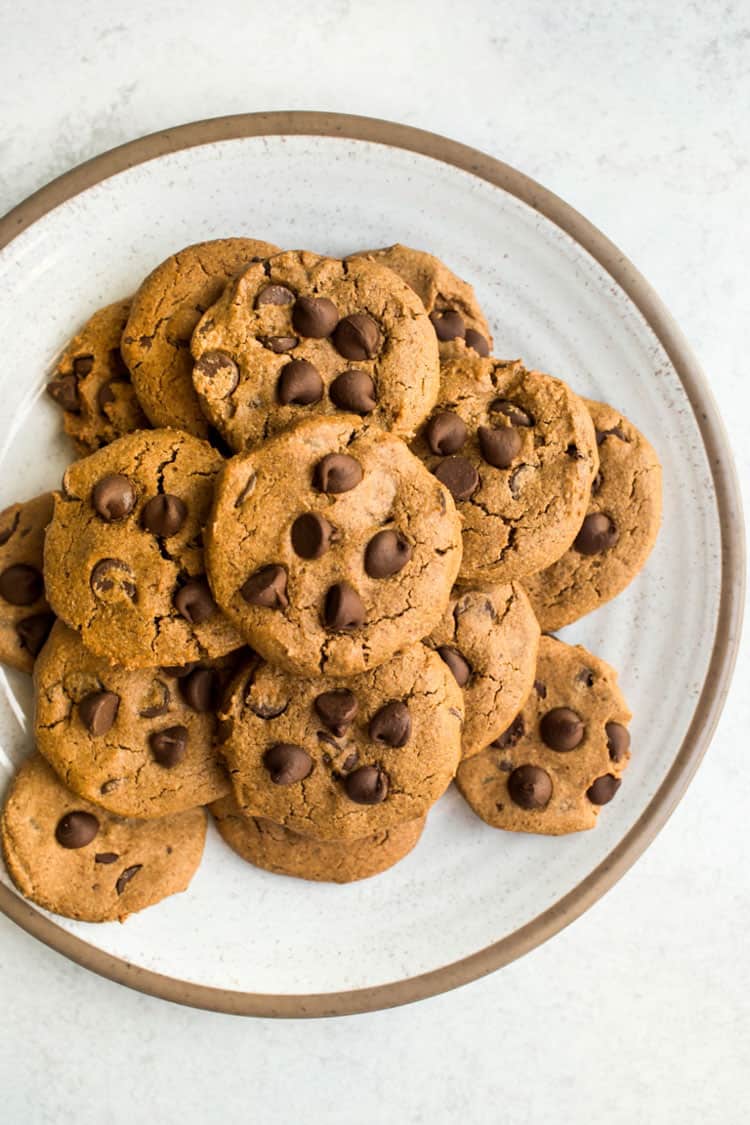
300	335
25	615
331	546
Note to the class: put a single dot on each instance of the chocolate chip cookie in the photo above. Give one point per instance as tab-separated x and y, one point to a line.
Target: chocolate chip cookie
518	452
331	546
562	757
341	761
618	532
123	557
138	743
301	335
277	849
25	616
75	859
166	309
489	640
92	384
449	302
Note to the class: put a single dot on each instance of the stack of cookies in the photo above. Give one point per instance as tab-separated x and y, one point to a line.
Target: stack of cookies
299	575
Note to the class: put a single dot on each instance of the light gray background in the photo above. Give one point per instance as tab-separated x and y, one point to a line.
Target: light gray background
639	115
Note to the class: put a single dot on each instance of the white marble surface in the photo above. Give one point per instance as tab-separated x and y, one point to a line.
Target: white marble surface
639	118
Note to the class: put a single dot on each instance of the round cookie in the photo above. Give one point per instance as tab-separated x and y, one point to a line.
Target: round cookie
166	309
339	761
562	757
75	859
137	743
25	616
517	450
92	384
301	335
123	557
277	849
331	546
489	640
619	530
449	302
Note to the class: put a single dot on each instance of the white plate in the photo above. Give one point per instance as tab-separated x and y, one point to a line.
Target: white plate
468	894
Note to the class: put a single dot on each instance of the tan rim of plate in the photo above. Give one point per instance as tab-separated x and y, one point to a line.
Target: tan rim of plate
726	643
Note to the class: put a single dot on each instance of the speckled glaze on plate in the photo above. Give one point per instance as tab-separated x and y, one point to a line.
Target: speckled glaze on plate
468	899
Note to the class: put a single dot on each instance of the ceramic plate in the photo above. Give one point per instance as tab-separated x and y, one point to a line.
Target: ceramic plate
469	898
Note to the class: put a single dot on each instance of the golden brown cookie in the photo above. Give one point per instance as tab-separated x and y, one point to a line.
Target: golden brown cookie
92	384
619	530
300	335
562	757
25	616
339	761
138	743
517	450
489	640
331	546
277	849
123	556
166	309
75	859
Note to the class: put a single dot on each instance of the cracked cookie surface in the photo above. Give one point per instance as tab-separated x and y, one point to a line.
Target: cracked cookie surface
165	310
25	615
489	639
331	546
301	335
618	532
138	743
123	557
278	849
563	756
518	452
339	761
78	860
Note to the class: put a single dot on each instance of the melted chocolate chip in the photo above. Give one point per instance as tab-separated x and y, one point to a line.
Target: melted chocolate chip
76	829
112	581
287	763
274	295
448	324
603	789
33	631
391	725
598	533
199	689
267	588
478	342
157	700
98	711
353	391
126	876
221	370
106	857
457	663
279	344
459	476
164	515
386	554
517	415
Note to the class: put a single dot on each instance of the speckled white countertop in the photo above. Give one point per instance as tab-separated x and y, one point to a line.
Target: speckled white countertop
637	114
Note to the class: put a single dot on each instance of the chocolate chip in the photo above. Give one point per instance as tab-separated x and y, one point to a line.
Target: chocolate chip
126	876
343	610
112	580
164	515
157	700
267	587
274	295
499	447
391	725
458	664
113	497
33	631
267	710
64	391
596	484
287	763
169	746
562	729
459	476
512	736
221	370
337	472
517	415
314	316
445	433
98	711
573	452
199	689
105	395
357	337
76	829
118	367
8	532
311	535
106	857
602	435
194	601
21	584
603	789
598	533
618	741
478	342
586	676
337	709
448	324
540	689
367	786
299	384
179	670
350	761
83	365
530	787
109	786
279	344
354	391
386	554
